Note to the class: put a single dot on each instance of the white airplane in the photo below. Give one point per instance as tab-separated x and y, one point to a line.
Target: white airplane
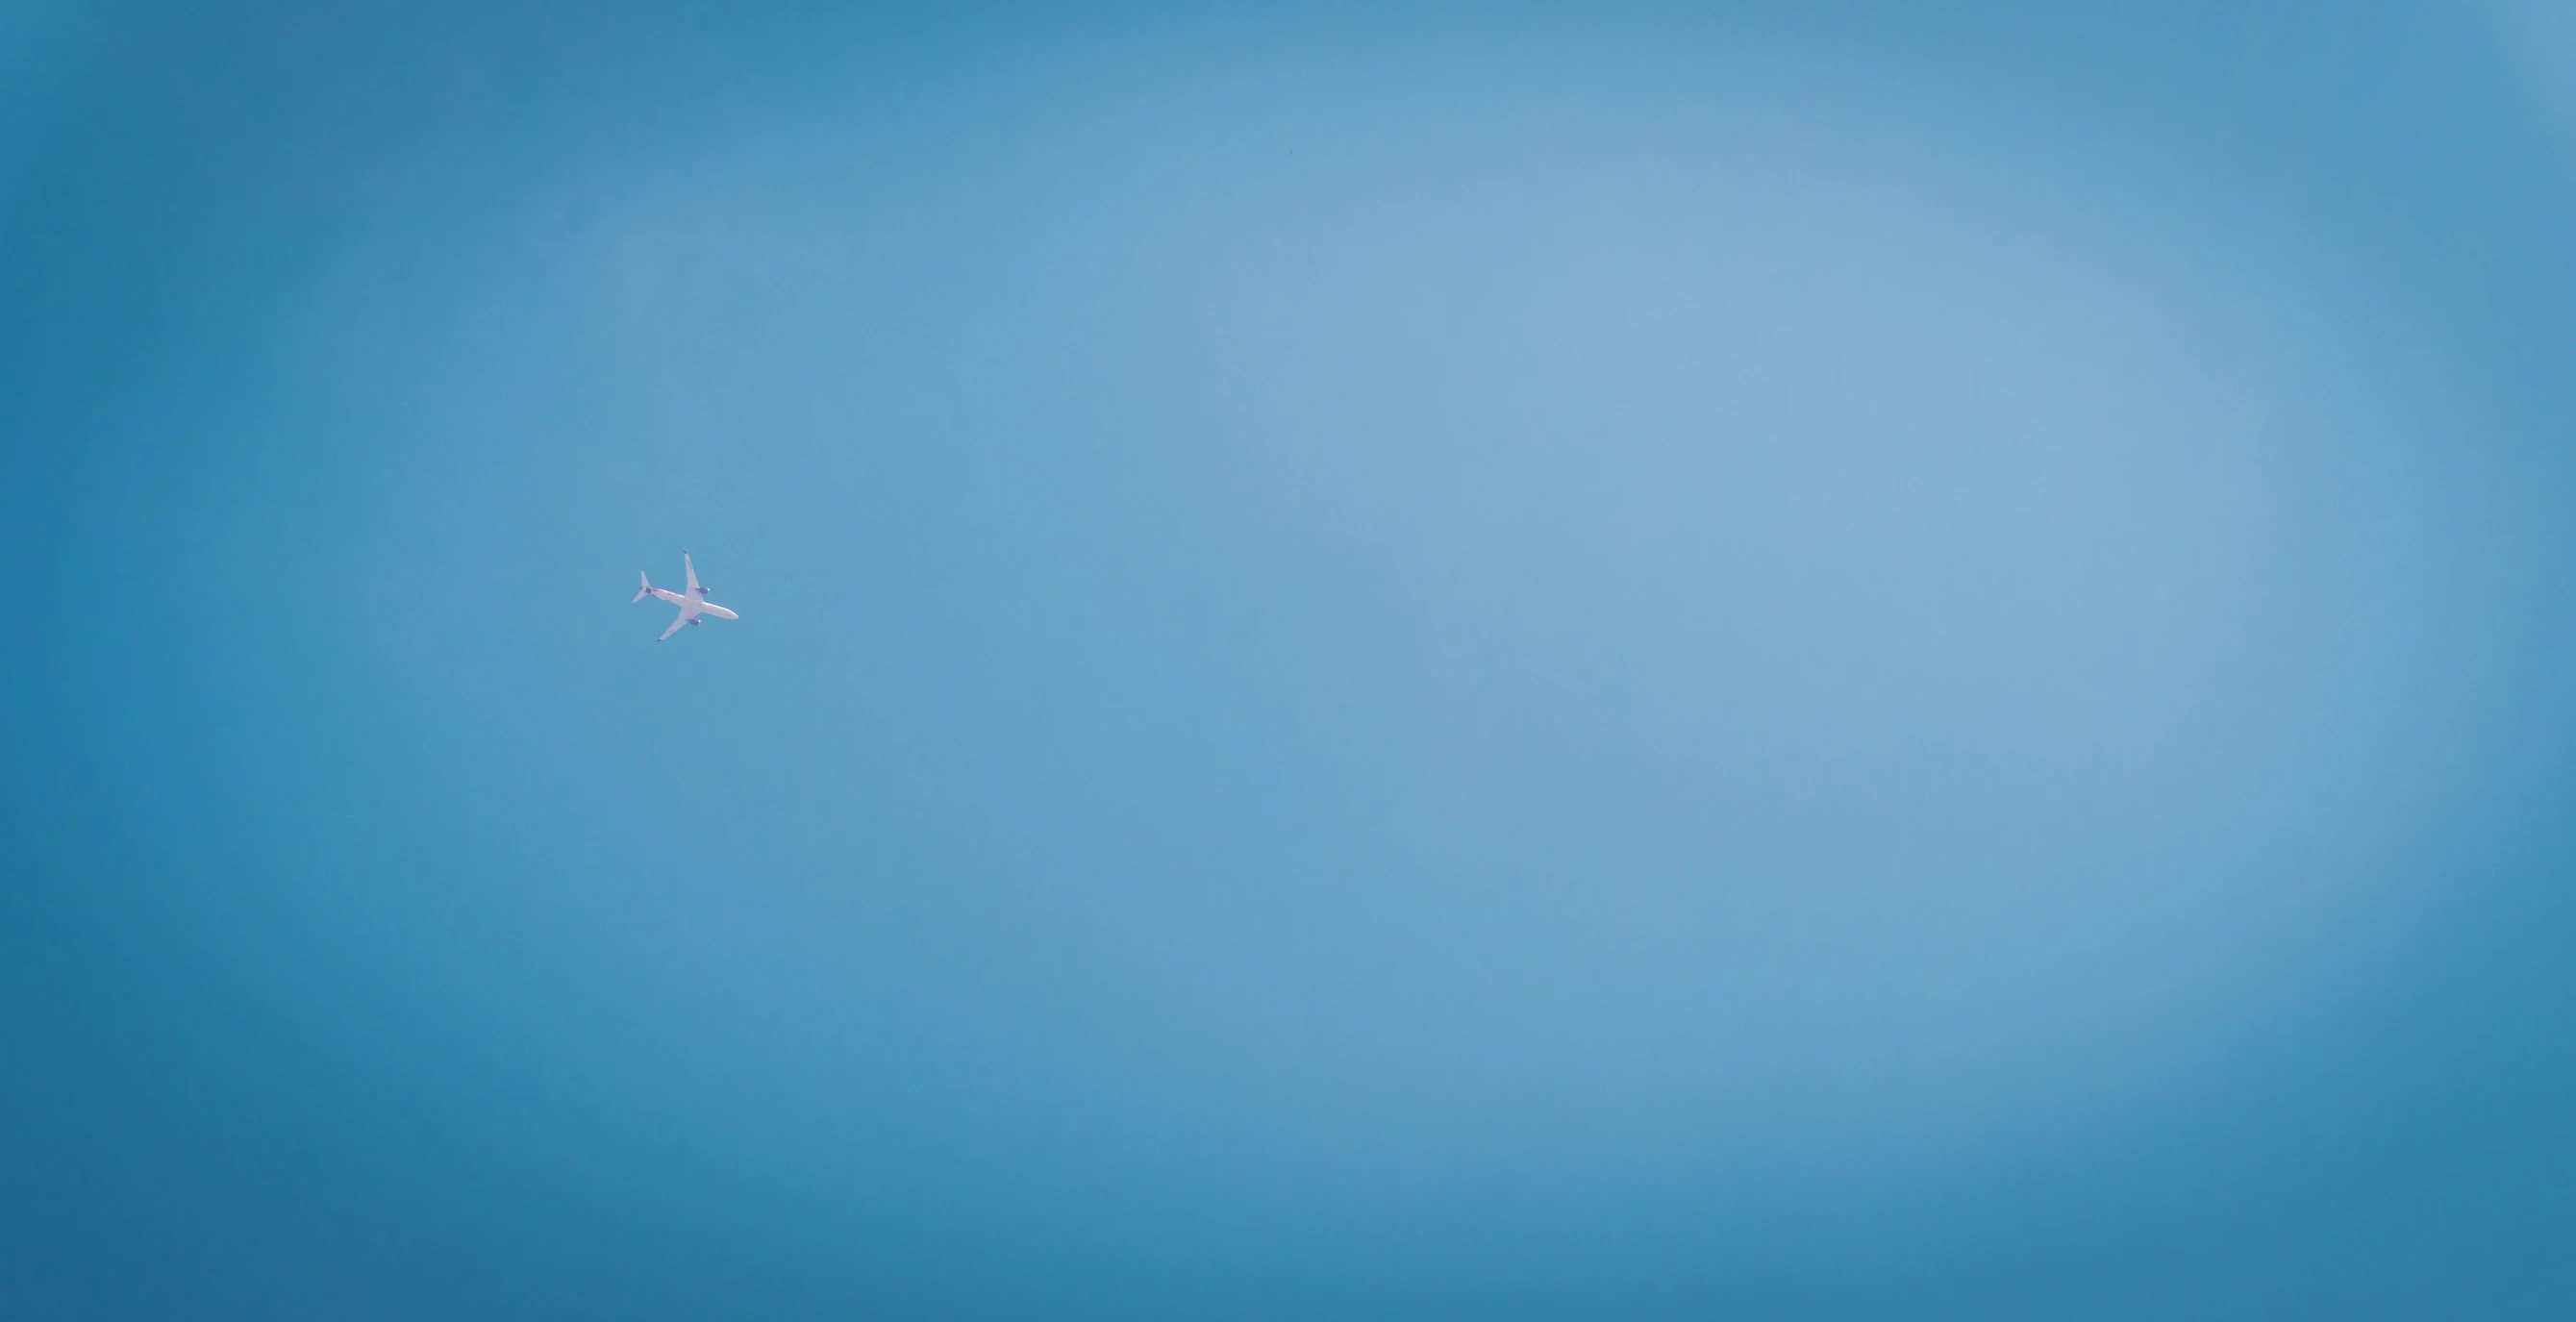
693	604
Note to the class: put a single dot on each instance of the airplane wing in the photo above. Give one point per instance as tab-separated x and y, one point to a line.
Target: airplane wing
675	628
685	563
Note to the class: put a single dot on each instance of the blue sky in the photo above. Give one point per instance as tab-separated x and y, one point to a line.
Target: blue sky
1769	661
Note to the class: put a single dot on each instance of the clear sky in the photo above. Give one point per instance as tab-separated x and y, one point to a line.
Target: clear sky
1765	661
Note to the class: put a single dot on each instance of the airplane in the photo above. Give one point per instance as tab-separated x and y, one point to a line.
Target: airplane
693	604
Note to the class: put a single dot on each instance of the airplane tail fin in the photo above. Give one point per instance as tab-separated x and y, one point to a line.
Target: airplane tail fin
644	591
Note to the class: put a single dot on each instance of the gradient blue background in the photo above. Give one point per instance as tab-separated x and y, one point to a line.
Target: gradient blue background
1757	661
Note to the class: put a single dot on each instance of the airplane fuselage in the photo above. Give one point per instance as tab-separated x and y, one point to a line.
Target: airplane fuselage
692	605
